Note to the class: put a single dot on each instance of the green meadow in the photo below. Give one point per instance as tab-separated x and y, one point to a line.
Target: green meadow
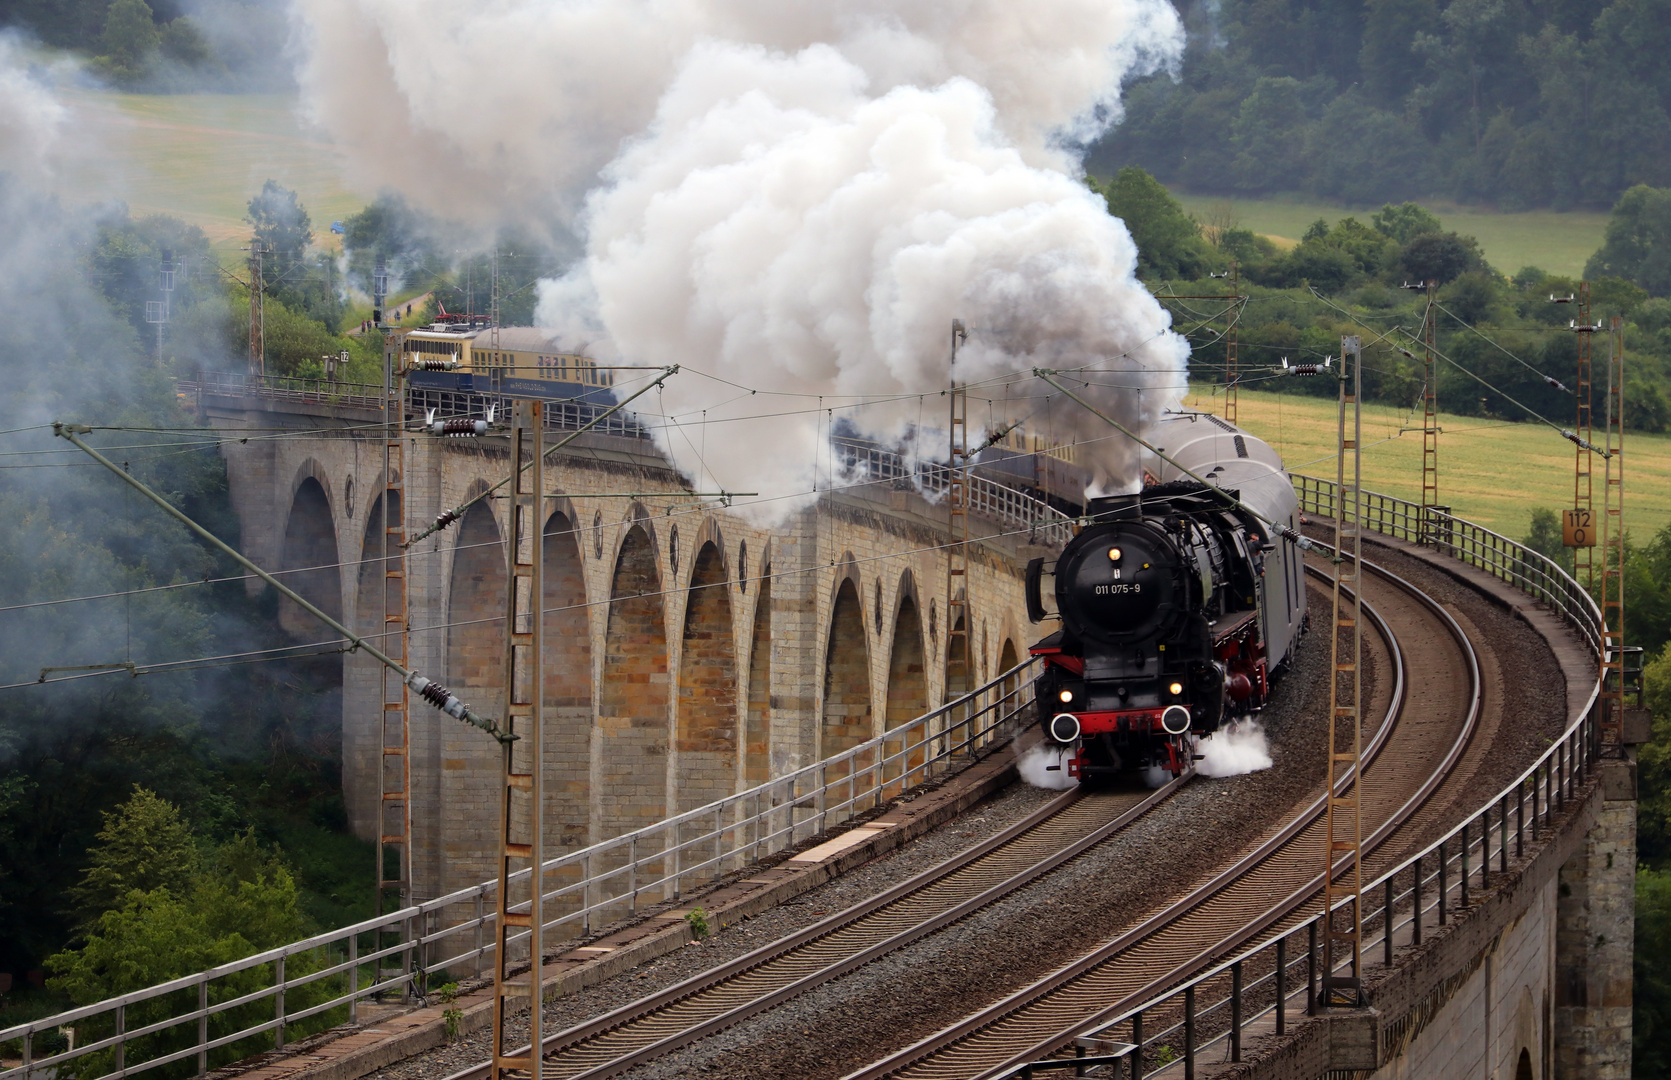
1491	472
200	157
1558	242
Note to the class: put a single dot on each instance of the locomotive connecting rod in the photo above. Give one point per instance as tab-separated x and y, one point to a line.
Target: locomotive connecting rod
1293	536
431	691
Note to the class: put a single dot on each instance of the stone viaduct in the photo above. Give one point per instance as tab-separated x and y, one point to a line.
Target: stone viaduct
695	652
692	651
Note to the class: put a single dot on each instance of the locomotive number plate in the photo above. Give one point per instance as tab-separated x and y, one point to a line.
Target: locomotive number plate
1115	590
1578	528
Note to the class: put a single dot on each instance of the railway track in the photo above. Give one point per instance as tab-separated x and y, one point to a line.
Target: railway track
714	1000
1405	765
682	1014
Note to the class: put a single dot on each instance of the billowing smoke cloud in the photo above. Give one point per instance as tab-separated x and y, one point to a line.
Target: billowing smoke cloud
32	118
1233	750
779	228
1046	766
520	104
796	198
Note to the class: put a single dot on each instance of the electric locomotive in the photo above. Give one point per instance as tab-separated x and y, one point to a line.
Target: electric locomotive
1177	606
455	364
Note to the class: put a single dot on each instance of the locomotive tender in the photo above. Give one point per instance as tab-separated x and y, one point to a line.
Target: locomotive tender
1177	606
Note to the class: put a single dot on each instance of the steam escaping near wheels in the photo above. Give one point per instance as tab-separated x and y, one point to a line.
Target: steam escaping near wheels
1046	767
1235	749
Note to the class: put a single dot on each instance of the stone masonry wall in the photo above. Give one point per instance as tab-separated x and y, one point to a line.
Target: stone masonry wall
1594	938
778	630
707	688
633	703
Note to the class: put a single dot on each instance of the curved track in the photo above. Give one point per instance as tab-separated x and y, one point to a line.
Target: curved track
1406	763
1063	828
714	1000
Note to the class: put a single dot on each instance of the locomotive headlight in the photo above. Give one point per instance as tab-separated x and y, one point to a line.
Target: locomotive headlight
1066	696
1114	554
1175	689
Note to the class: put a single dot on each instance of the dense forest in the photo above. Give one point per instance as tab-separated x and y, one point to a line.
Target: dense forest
1510	351
169	46
155	822
159	822
1516	103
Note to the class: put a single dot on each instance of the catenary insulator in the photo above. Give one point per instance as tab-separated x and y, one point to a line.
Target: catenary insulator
434	364
459	426
438	696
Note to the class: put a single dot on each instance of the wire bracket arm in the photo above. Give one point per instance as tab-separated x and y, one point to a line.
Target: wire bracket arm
429	690
450	516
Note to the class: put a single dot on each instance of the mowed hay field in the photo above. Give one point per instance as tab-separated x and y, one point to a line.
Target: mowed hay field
1557	242
1491	472
200	157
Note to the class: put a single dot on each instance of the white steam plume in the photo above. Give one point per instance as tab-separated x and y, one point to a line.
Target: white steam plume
1233	750
32	117
518	104
792	197
1046	766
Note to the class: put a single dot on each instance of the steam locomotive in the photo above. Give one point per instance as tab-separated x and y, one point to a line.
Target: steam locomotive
1177	607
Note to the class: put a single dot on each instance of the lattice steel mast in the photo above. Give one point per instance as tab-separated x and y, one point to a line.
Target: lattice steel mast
394	764
1583	484
1430	416
522	791
257	312
957	509
1613	548
1343	930
1231	376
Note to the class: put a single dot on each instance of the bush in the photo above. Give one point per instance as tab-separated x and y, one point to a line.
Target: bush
1169	243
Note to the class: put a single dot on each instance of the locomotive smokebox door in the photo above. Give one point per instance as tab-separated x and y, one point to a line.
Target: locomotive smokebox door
1121	586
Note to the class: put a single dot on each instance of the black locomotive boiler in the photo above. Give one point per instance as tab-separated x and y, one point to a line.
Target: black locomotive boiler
1177	606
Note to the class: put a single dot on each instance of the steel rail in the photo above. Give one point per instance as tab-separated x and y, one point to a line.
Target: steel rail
1027	1045
737	1003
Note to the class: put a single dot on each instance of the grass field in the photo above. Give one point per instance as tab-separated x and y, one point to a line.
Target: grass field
1558	242
1492	473
200	157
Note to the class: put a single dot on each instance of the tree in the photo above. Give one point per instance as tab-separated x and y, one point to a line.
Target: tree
1651	999
1361	153
282	226
1405	221
160	935
390	229
1388	59
130	36
1544	537
143	847
1441	257
1475	297
1169	243
1648	589
1637	245
184	43
1269	135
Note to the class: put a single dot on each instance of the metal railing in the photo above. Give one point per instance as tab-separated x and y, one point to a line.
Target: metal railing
860	461
1169	1033
863	462
283	388
257	1002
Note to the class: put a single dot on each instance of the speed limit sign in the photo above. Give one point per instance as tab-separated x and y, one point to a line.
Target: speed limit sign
1578	528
